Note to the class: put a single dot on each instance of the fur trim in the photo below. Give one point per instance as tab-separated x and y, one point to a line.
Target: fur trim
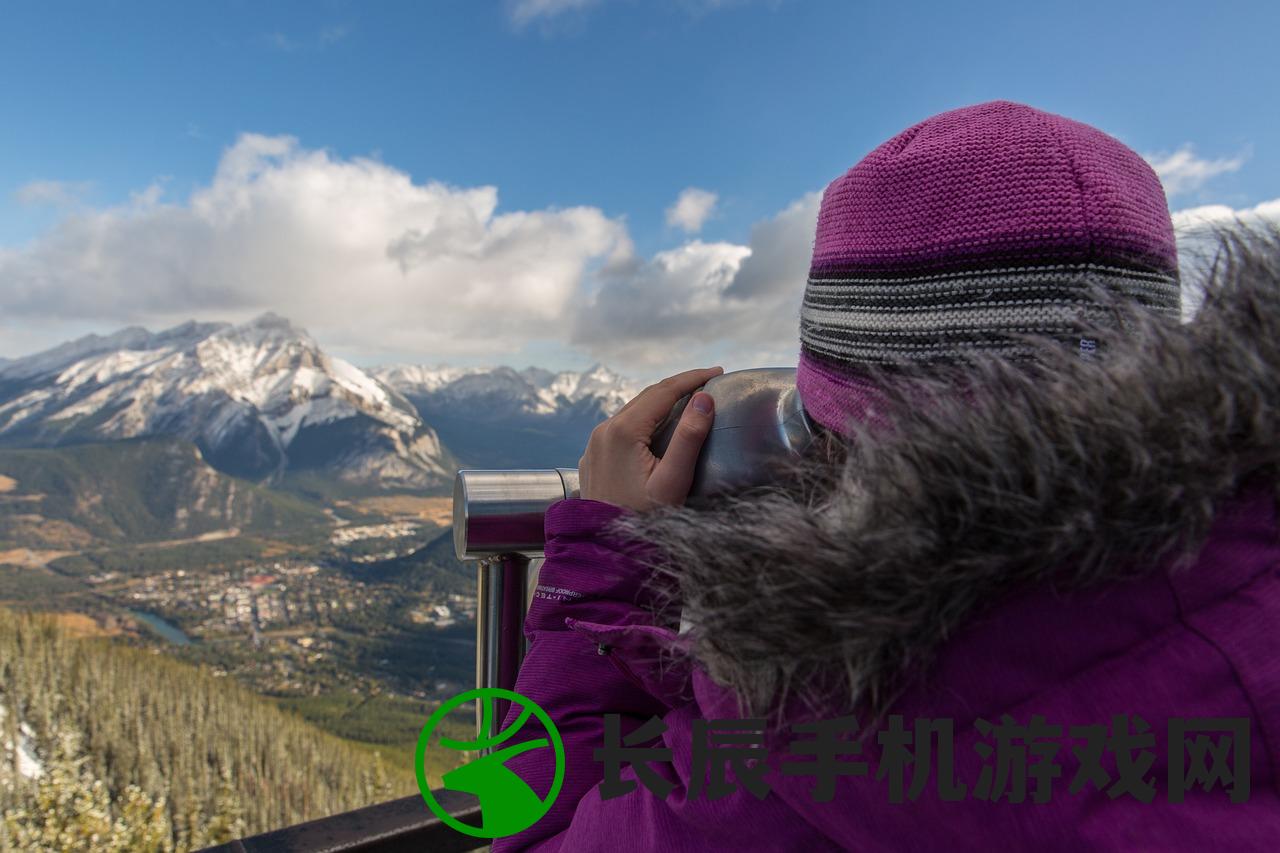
1073	472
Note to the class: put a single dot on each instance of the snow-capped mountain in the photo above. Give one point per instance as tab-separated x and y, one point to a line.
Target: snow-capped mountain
262	399
257	399
505	418
532	391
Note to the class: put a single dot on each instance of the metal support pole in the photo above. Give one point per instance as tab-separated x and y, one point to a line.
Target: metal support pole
501	607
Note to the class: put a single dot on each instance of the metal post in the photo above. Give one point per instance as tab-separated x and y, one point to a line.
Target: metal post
501	608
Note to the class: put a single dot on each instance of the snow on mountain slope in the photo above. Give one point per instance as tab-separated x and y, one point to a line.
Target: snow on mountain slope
262	399
599	382
532	391
244	394
505	418
28	763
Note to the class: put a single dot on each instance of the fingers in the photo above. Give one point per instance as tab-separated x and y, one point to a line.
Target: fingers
640	416
673	476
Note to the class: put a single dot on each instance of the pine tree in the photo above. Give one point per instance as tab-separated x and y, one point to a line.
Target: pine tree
143	824
143	753
228	822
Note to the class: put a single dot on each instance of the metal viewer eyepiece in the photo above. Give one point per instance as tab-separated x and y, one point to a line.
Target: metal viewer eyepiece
500	512
758	420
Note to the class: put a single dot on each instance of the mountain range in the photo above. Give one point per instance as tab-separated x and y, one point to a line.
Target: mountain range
503	418
263	401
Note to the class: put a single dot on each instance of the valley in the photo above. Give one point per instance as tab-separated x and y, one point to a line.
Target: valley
372	603
273	524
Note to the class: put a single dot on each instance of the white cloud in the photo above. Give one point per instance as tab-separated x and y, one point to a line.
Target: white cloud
652	312
708	302
316	41
703	7
1195	230
781	249
55	193
1182	171
333	35
691	210
351	248
524	12
1193	219
373	263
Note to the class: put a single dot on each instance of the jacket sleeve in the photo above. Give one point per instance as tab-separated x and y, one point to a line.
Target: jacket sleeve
593	579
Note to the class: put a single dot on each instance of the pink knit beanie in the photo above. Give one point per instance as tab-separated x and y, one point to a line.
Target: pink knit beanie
973	226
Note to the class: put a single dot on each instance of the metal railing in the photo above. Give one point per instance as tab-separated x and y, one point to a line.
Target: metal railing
399	825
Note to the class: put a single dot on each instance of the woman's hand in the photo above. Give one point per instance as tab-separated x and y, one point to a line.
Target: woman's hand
618	466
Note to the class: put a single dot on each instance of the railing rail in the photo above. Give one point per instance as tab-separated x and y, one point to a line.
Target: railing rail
399	825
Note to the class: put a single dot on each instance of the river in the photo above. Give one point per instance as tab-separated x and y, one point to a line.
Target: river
168	630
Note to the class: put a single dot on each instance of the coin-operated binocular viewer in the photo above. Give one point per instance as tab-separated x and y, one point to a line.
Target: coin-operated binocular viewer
498	515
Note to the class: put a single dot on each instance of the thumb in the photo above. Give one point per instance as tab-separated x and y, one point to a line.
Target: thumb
673	475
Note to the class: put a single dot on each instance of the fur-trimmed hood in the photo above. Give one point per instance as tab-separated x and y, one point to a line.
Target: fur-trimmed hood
877	548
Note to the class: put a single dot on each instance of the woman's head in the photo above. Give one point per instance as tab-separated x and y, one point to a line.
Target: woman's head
967	231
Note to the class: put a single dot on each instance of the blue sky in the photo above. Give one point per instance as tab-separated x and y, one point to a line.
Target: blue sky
118	115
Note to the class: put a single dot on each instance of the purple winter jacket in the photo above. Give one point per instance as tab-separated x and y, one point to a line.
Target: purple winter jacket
984	566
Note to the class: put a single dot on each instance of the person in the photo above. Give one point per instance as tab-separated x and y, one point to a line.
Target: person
1024	596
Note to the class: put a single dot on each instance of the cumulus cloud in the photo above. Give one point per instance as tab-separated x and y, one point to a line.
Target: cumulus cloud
1182	171
352	248
1197	219
722	301
781	249
373	263
692	208
1195	229
651	310
524	12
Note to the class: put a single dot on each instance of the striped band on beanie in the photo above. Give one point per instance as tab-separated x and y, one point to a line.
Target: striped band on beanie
968	230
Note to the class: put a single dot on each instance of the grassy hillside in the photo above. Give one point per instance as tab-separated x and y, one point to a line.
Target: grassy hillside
136	491
147	753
